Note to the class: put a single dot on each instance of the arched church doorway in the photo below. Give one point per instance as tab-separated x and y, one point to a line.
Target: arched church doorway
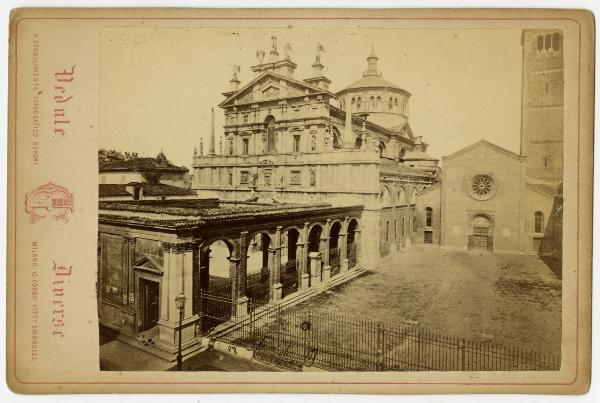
482	233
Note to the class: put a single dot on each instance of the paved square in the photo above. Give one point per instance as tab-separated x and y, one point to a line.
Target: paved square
509	299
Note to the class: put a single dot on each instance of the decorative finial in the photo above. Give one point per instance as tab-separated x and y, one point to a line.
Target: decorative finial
260	54
287	49
236	70
320	49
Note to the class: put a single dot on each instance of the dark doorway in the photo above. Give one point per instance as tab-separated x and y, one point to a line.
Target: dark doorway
150	303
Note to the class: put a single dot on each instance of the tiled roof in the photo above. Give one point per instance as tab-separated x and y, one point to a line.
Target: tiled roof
107	190
197	211
141	164
391	166
418	155
166	190
552	189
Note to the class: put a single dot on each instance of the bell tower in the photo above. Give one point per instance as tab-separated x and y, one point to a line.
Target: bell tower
542	104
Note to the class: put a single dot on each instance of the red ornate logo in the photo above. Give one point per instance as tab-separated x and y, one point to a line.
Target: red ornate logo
49	200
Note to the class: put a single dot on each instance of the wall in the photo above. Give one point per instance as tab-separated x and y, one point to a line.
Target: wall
504	207
429	198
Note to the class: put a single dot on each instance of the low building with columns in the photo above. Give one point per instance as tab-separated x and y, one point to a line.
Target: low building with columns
287	139
149	252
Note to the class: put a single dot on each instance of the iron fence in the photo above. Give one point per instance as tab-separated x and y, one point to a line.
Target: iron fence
298	337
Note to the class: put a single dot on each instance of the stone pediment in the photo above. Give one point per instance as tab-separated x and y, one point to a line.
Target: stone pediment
269	86
267	162
149	264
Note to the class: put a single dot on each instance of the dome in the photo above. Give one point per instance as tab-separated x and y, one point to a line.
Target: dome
372	81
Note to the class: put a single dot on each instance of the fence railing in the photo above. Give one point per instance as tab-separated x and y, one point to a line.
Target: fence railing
297	337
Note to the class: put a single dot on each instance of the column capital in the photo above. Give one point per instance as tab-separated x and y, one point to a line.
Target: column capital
130	239
174	247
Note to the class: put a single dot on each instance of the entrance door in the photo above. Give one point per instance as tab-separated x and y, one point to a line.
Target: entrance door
480	238
150	298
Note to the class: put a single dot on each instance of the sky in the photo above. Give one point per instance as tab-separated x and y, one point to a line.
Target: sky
157	85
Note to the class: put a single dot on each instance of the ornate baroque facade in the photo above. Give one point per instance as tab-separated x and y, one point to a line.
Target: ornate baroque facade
290	140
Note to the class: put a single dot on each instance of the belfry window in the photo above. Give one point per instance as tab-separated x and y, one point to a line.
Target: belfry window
556	42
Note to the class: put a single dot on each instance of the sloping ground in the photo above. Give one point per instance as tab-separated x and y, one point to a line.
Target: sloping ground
508	299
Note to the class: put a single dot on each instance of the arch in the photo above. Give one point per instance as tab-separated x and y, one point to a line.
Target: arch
358	103
381	148
258	270
483	219
378	103
538	222
335	134
385	197
372	102
334	247
352	242
540	43
289	274
401	197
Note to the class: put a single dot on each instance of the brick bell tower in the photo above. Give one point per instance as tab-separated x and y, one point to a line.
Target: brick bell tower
542	132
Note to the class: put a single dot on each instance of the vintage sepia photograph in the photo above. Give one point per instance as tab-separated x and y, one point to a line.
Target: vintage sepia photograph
349	199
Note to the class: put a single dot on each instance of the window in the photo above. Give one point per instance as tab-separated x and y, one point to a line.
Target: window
271	136
539	222
396	102
378	102
395	229
313	178
295	178
267	177
556	42
414	224
387	231
482	186
296	143
244	177
353	103
428	216
358	103
313	143
403	227
245	146
427	237
246	118
540	43
372	102
548	41
230	178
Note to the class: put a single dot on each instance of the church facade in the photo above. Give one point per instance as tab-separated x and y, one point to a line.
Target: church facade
492	199
290	140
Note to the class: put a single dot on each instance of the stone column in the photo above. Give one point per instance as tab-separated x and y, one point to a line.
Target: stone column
277	286
301	266
358	247
324	247
342	245
305	276
315	268
242	276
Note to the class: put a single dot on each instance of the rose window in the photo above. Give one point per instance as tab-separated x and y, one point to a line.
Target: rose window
482	186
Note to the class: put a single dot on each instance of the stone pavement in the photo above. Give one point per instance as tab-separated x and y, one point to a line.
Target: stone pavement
116	355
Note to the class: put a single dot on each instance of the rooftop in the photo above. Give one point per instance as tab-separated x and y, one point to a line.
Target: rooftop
158	164
194	212
149	189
